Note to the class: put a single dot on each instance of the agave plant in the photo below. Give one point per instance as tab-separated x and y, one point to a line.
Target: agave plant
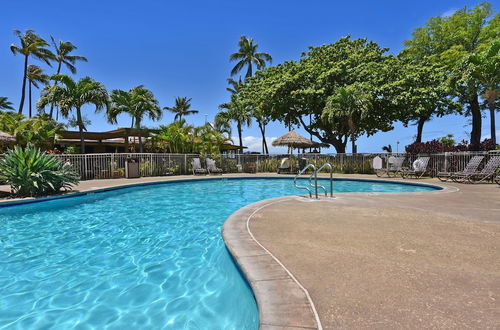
31	172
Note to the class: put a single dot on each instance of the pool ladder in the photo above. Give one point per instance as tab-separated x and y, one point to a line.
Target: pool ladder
313	180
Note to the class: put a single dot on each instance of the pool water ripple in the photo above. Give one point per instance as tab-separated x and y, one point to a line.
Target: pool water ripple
141	257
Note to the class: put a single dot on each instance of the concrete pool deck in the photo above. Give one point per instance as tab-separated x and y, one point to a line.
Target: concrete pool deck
419	260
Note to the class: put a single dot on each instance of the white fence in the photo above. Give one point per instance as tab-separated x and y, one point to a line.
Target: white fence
107	166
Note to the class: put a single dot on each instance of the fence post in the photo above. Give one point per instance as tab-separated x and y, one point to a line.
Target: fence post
185	164
85	165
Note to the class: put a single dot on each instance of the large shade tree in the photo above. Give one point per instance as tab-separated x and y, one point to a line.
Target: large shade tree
297	90
35	77
138	103
247	55
63	56
449	42
71	96
30	45
181	108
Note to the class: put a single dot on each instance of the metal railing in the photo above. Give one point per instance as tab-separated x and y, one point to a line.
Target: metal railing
107	166
310	166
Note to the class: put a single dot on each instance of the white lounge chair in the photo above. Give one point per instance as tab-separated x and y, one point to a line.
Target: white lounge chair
197	169
418	170
395	164
212	168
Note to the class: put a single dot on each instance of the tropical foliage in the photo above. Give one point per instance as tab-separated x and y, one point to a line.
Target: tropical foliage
31	172
70	96
138	102
40	131
35	77
248	56
31	45
181	108
5	104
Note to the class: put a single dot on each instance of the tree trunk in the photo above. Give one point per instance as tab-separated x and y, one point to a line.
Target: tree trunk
29	96
249	71
52	104
491	106
23	90
262	128
240	133
139	135
475	135
80	129
353	145
420	127
132	126
339	145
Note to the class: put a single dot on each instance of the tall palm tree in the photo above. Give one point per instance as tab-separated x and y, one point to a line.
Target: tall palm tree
239	114
181	108
138	103
31	45
5	104
63	48
35	76
70	95
247	55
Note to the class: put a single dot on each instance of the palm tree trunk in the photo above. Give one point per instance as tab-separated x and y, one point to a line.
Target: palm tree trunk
240	133
132	126
23	90
249	71
353	144
29	96
80	129
138	127
475	135
491	106
420	127
52	104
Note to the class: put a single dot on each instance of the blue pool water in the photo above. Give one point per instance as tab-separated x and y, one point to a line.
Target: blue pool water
135	258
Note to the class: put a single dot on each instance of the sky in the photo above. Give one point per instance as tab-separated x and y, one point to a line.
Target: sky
182	48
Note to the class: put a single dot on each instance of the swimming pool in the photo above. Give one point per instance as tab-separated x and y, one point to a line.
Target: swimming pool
148	256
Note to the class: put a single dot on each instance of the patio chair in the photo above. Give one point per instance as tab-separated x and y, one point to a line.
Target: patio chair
419	168
197	169
284	166
497	179
395	165
212	168
470	168
488	172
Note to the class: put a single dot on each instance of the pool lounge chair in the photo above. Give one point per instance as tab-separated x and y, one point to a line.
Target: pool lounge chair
419	168
395	164
197	169
284	166
212	168
470	168
488	172
497	179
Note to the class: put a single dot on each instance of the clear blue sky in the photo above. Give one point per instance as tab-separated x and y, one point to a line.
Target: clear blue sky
181	48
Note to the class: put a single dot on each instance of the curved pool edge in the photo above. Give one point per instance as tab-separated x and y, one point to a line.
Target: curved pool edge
281	299
163	180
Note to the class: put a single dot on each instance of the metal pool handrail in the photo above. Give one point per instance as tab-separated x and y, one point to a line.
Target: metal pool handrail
331	179
304	187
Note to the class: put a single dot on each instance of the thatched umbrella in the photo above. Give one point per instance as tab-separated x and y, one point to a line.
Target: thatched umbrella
6	138
293	140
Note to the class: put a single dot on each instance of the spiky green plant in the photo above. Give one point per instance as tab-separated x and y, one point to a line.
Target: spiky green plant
31	172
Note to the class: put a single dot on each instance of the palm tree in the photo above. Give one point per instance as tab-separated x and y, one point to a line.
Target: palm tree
181	108
72	96
247	55
63	48
138	103
31	45
5	104
222	124
35	76
236	112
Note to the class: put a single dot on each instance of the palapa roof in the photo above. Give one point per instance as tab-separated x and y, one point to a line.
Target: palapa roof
294	140
6	138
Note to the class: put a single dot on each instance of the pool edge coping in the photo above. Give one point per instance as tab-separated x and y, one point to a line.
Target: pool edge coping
281	299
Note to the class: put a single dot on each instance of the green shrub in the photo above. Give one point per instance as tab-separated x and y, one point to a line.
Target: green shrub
31	172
